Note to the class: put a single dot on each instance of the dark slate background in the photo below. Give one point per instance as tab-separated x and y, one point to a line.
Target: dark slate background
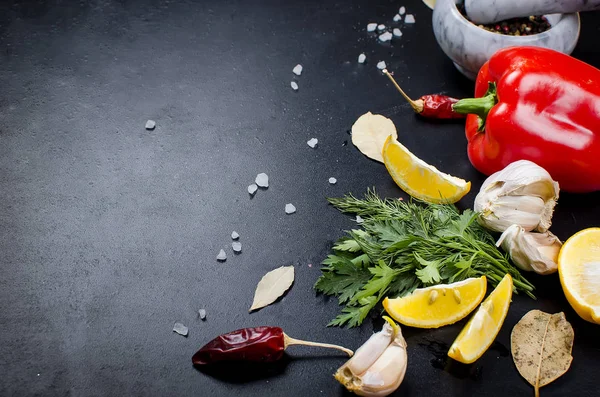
109	232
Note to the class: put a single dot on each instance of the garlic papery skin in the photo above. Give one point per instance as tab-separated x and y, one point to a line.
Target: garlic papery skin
523	193
384	374
530	251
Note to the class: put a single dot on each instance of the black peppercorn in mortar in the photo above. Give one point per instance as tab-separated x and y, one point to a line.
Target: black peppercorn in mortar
525	26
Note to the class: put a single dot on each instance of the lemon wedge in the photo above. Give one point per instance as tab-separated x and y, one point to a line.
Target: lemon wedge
579	272
419	179
436	306
481	330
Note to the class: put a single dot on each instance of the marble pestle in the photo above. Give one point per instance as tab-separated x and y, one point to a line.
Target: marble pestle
490	11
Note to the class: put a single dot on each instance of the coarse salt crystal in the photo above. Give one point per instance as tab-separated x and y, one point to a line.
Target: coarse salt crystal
150	124
332	180
381	65
397	32
236	246
180	329
387	36
252	189
359	219
234	235
297	70
290	209
362	58
294	85
402	10
312	142
410	18
222	256
262	180
371	27
397	17
381	27
202	314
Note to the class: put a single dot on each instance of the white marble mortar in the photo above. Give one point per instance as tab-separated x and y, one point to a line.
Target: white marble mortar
469	46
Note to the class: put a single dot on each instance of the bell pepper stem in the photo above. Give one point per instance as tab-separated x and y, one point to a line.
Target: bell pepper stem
479	106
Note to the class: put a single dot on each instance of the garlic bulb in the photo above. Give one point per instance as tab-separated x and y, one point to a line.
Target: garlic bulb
378	366
523	193
530	251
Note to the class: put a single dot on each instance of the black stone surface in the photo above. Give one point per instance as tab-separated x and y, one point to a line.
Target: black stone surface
109	232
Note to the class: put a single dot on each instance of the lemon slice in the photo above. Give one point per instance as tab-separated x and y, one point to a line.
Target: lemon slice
419	179
579	271
433	307
481	330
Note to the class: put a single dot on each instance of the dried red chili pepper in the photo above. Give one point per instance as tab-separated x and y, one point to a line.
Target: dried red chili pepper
433	106
259	344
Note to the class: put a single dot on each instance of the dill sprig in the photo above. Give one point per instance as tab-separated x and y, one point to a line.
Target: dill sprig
403	246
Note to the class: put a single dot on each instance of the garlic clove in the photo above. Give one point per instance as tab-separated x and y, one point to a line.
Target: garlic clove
382	369
386	374
368	353
536	252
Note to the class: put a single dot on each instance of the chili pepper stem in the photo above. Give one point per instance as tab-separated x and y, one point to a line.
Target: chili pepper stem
288	341
479	106
416	105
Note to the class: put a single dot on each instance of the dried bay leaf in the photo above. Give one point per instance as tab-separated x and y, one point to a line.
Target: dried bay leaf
369	133
541	345
430	3
272	286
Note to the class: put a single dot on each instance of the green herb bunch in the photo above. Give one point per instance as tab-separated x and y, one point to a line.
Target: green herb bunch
403	246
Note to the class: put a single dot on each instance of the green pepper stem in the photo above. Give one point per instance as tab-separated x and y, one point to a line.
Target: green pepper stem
479	106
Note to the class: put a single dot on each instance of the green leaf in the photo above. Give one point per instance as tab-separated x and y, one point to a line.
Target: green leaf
430	272
347	244
383	275
343	278
362	260
353	316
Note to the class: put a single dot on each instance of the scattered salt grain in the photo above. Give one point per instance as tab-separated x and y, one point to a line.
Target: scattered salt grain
410	18
262	180
180	329
294	85
371	27
290	209
234	235
397	18
387	36
381	65
236	246
202	314
297	70
312	142
252	189
381	27
310	265
362	58
397	32
402	10
359	219
150	124
332	180
222	256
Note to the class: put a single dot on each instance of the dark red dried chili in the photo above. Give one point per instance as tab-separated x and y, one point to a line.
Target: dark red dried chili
258	344
433	106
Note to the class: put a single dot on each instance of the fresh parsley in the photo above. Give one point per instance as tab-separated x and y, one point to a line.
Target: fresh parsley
403	246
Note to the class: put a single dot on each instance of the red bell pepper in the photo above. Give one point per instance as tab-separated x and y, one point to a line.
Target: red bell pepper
540	105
